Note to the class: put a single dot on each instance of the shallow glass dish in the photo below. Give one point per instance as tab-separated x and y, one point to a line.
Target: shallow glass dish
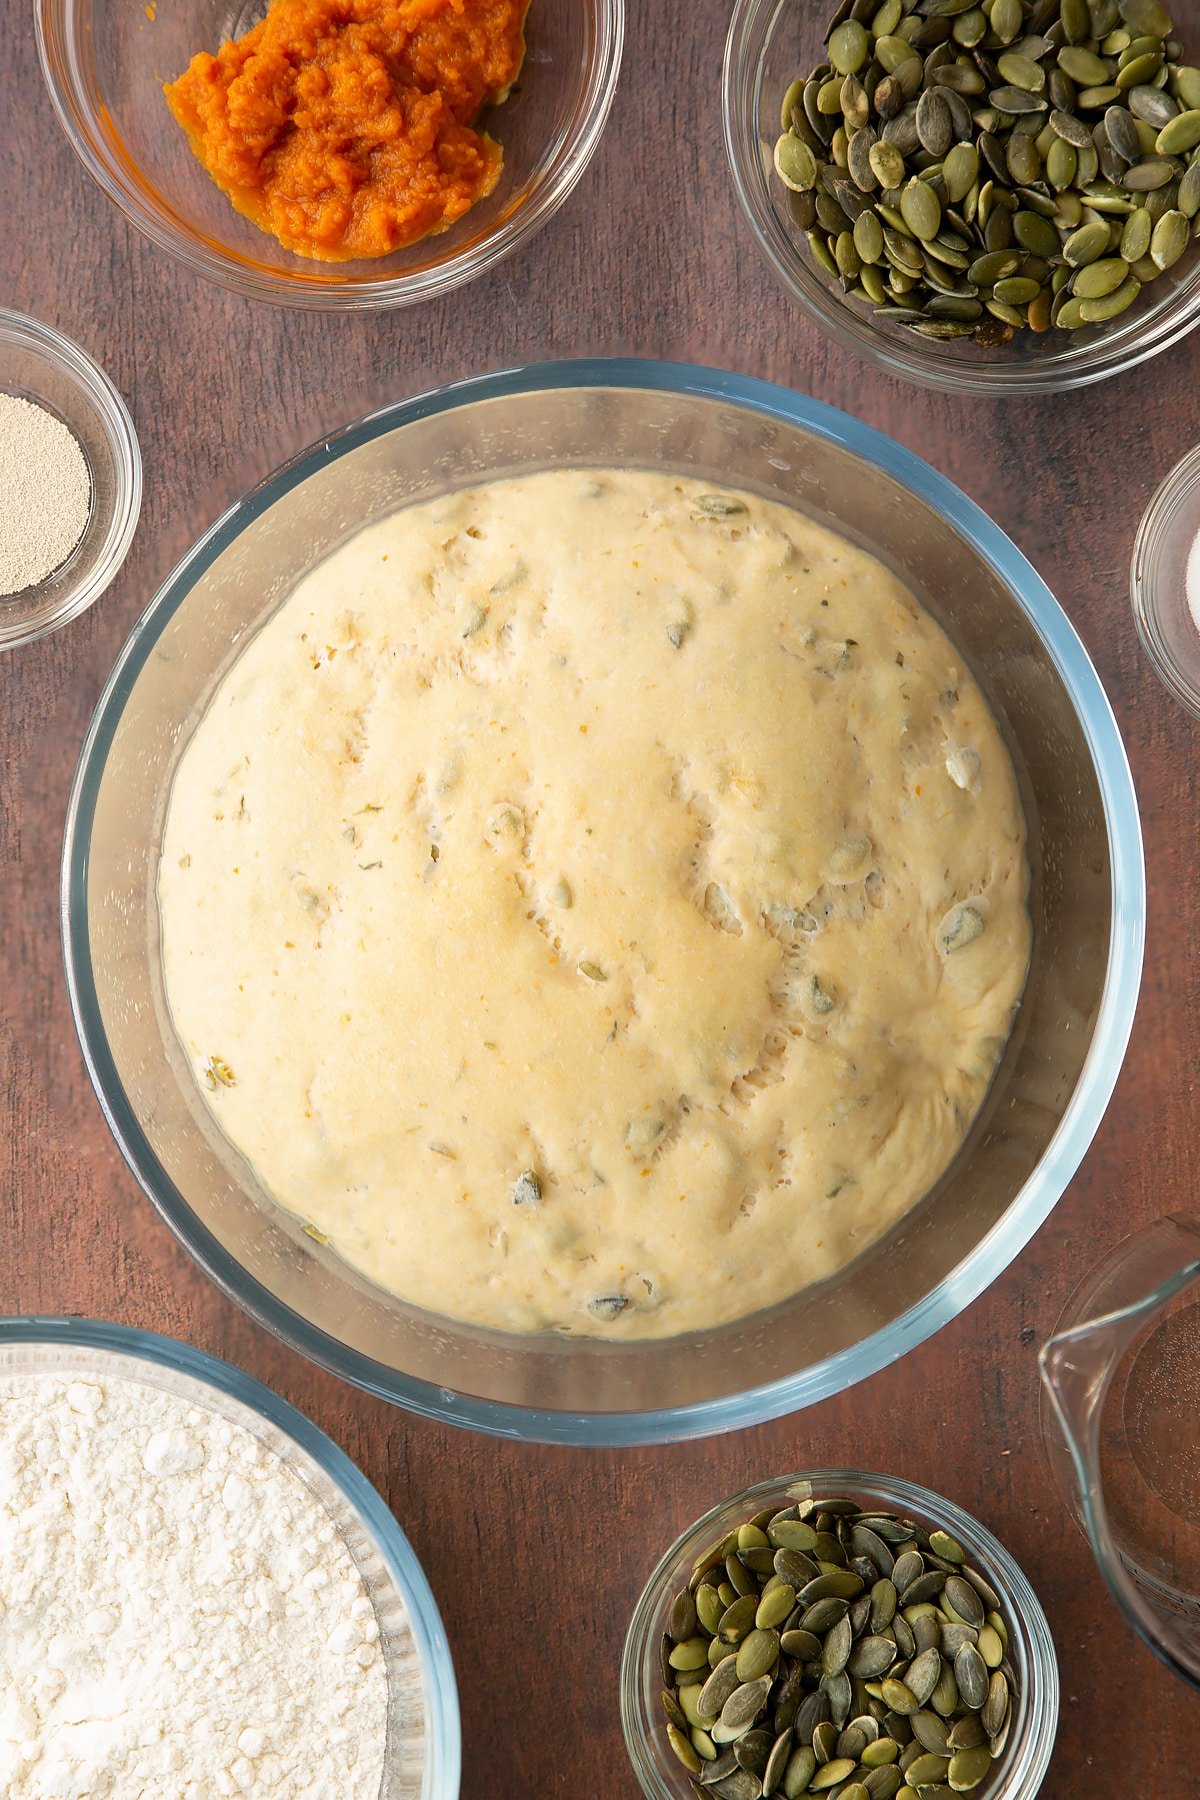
1018	1775
1088	900
105	63
38	363
423	1756
1165	582
770	43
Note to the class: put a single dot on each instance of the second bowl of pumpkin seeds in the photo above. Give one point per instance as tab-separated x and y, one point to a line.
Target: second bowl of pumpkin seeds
839	1634
1001	196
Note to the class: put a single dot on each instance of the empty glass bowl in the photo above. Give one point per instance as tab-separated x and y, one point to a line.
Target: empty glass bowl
1017	1774
1120	1420
424	1752
770	43
41	365
105	65
1087	900
1165	582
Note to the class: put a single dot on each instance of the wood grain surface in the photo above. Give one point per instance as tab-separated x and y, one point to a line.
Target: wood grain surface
536	1556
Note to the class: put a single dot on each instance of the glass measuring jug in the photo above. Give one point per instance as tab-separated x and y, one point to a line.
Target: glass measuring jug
1121	1416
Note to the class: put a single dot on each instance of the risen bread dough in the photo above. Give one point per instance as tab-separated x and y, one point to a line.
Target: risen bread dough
594	903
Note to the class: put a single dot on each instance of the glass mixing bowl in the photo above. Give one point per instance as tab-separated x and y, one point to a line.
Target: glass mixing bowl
424	1750
1088	900
1017	1775
105	64
770	43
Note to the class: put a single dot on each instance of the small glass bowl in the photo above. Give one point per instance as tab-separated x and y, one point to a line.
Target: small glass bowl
1166	562
423	1755
771	42
105	66
1022	1769
40	364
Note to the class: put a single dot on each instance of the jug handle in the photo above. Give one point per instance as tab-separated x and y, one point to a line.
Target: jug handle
1104	1316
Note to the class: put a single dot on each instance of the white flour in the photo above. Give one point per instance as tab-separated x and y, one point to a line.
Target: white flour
179	1618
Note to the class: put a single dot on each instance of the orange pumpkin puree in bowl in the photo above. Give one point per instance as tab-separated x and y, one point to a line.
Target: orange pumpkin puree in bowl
346	128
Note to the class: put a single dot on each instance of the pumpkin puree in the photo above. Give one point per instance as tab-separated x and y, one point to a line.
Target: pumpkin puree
345	128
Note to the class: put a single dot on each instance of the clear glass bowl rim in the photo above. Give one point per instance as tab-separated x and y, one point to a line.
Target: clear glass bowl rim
1028	1209
89	380
1147	550
59	57
61	1332
852	329
1031	1754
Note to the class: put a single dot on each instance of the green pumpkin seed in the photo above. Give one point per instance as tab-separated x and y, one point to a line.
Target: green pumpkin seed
868	237
1097	279
757	1653
1111	306
927	1771
831	1774
791	1534
800	1771
1180	135
849	47
1189	191
1185	85
899	1698
1021	72
795	164
1146	17
1140	72
1086	244
945	1696
775	1605
1035	234
968	1768
995	1707
738	1618
793	98
1083	66
681	1620
1008	19
1062	163
921	209
1016	291
1145	177
683	1749
1171	237
931	1732
1135	237
693	1654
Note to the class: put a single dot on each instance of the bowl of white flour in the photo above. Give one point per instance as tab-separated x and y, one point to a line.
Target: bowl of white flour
200	1596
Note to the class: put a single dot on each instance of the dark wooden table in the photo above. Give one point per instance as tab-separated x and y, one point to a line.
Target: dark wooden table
536	1556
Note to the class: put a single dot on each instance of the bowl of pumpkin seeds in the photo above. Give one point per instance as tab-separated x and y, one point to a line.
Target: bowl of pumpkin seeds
843	1635
985	195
